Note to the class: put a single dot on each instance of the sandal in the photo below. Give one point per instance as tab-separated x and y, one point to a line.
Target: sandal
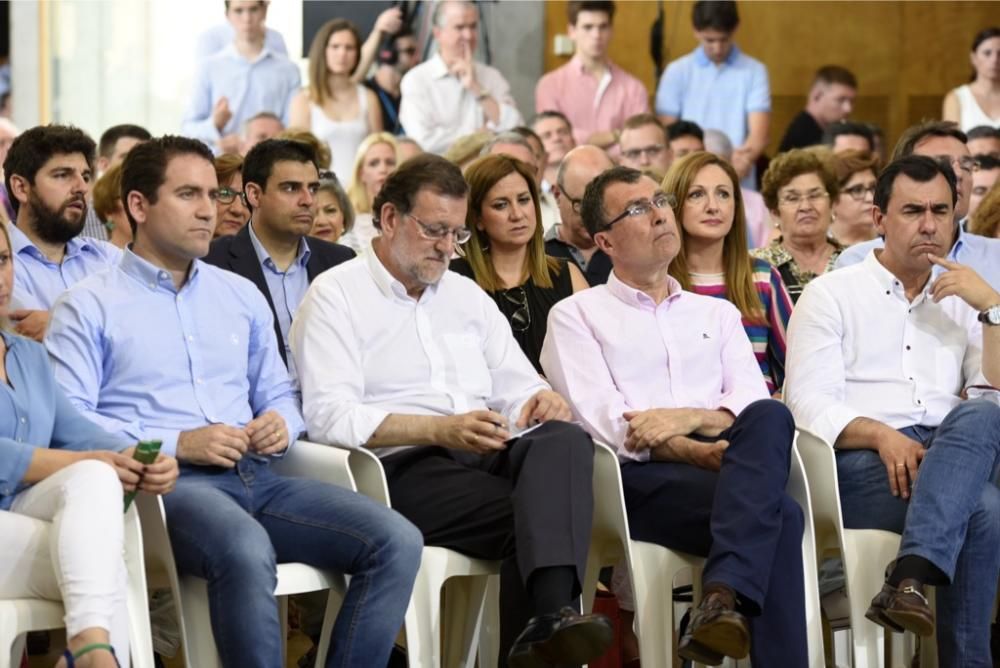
86	649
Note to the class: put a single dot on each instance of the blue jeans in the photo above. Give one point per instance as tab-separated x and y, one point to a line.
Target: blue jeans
232	527
952	520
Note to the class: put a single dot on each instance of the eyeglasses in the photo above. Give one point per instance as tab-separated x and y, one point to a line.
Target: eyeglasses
966	163
520	320
643	208
858	191
574	204
794	199
637	153
227	195
439	232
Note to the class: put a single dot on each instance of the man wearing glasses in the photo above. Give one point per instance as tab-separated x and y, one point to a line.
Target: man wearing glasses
943	141
273	251
668	378
397	354
643	143
570	239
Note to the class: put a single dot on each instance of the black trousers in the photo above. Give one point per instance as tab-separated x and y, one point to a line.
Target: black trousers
530	506
742	519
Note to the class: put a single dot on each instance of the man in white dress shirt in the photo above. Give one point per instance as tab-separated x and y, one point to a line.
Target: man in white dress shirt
880	360
451	94
402	356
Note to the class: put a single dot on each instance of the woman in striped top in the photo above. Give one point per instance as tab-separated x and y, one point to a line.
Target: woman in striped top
713	258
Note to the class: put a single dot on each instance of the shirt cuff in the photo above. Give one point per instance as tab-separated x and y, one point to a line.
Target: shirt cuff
168	437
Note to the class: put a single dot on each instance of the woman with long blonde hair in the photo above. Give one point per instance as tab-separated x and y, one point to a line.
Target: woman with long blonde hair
713	258
376	158
506	253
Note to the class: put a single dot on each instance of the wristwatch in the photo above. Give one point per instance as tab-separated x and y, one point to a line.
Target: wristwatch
990	316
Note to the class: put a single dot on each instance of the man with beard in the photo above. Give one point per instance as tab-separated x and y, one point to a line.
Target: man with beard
48	173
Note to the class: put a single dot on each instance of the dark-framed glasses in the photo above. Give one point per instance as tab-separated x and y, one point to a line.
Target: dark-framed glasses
439	232
966	163
650	152
643	208
859	191
520	320
227	195
574	204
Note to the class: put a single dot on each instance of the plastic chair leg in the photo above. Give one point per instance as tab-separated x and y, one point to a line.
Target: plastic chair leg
463	607
489	633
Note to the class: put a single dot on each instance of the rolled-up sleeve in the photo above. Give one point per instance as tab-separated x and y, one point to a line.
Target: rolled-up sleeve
815	380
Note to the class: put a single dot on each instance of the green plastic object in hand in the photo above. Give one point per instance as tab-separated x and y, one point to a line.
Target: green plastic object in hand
146	452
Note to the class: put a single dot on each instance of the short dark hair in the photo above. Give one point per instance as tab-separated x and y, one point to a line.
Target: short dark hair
915	134
426	170
552	113
718	15
983	132
110	137
31	149
260	2
528	133
144	169
835	74
679	129
574	7
835	130
592	203
259	161
920	168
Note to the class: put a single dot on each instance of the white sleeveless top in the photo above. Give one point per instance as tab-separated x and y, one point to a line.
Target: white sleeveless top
971	115
343	137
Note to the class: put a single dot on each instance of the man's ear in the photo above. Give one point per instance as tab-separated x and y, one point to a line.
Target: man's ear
603	242
19	188
253	193
137	205
878	218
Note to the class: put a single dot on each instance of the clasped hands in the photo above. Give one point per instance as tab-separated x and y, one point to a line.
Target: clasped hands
223	445
666	433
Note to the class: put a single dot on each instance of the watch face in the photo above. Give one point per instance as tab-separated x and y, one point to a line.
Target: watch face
993	315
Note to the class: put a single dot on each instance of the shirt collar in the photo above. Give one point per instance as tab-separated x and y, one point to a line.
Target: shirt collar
150	275
887	281
264	257
230	52
389	285
437	68
20	243
702	59
576	62
637	298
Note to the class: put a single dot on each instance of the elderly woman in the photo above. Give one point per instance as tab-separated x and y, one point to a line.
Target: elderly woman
61	484
798	189
505	253
377	157
713	258
334	213
108	207
231	212
856	173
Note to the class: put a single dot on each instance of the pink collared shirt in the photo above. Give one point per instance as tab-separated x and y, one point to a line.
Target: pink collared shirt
611	349
591	105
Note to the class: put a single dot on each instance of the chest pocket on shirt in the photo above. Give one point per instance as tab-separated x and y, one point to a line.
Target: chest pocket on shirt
466	356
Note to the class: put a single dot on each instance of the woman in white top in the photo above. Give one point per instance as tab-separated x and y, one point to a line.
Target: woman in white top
376	158
978	103
335	107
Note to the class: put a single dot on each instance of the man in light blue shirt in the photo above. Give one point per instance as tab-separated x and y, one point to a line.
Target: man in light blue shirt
718	86
945	142
165	346
240	81
48	173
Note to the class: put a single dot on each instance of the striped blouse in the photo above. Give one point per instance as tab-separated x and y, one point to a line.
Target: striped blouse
768	338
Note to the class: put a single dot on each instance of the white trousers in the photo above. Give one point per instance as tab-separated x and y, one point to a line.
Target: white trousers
63	540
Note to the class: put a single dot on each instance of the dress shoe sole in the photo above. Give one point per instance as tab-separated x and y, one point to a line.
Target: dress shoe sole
692	651
725	635
913	622
878	616
574	645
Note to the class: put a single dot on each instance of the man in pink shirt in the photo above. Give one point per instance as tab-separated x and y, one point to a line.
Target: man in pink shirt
668	378
594	93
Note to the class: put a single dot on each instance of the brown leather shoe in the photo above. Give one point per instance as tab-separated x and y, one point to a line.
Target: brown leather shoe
716	630
903	608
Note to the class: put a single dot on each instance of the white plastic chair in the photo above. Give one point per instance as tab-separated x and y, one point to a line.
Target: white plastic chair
464	596
19	616
653	567
865	554
306	460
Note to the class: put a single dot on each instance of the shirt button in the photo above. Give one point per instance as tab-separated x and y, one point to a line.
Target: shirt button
199	381
919	402
190	338
152	285
24	420
888	292
907	347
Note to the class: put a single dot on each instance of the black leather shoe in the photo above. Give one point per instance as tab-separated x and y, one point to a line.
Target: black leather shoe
562	638
716	630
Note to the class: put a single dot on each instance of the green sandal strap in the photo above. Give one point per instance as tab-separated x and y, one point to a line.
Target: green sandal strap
92	647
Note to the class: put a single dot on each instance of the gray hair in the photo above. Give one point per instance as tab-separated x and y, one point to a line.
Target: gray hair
438	18
717	142
508	137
